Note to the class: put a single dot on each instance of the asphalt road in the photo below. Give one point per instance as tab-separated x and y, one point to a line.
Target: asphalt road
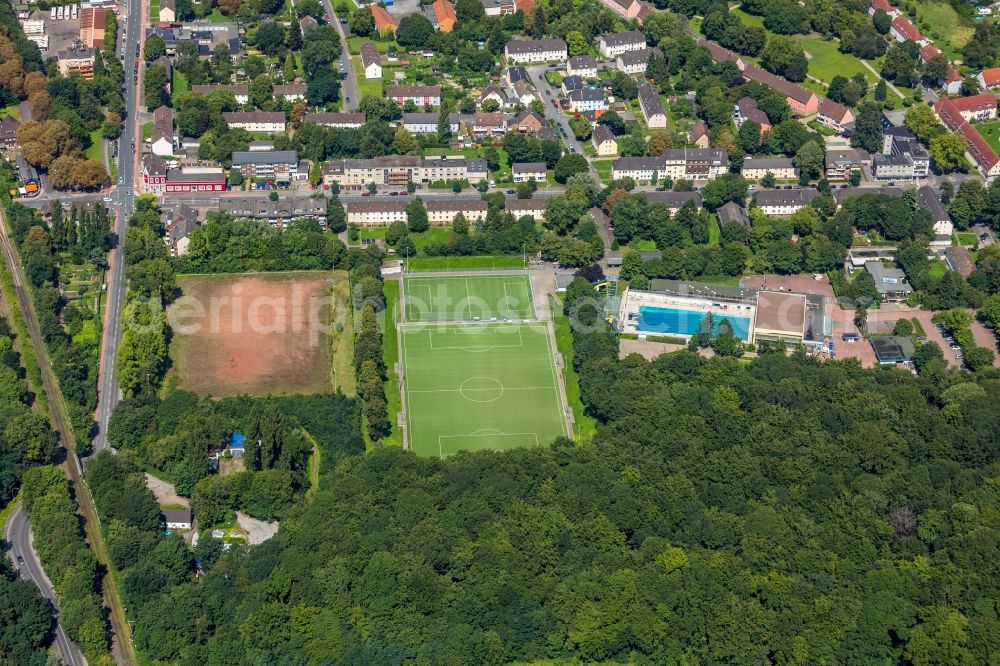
17	538
123	203
549	95
349	85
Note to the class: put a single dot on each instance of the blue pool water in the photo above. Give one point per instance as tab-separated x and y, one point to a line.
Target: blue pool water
687	322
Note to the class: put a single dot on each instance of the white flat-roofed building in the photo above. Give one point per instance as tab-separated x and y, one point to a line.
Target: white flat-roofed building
444	212
268	122
536	50
525	171
337	120
375	213
613	44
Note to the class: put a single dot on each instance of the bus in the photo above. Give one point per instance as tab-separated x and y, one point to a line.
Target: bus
75	9
52	14
62	13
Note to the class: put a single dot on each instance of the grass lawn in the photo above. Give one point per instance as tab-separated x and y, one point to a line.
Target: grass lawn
584	426
154	11
990	132
147	130
486	262
458	298
644	245
88	333
179	85
13	110
948	30
354	44
714	233
967	238
937	269
96	141
475	387
434	235
390	352
603	169
366	87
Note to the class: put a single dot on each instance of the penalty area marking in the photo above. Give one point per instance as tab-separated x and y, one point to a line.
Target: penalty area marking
486	432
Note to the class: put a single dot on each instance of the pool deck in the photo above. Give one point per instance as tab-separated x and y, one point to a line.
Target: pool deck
632	301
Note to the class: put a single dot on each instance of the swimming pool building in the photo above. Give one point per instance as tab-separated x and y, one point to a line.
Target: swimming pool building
682	309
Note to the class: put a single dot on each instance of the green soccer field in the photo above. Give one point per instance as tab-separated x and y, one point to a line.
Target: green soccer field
472	298
473	387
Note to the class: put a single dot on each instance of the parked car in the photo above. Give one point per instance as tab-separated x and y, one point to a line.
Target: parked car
366	194
954	347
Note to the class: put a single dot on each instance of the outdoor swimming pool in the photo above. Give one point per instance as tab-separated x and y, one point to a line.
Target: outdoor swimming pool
673	321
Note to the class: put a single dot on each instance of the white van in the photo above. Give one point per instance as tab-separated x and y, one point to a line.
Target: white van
76	9
62	13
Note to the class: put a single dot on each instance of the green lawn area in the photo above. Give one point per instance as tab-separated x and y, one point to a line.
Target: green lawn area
88	332
366	87
475	387
938	268
465	263
940	22
147	130
96	142
421	240
714	233
584	426
390	352
603	169
217	16
643	245
178	85
967	238
354	44
13	110
154	11
990	132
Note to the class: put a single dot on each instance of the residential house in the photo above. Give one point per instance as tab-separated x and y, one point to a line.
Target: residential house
514	74
582	65
525	171
524	93
652	107
928	199
269	165
161	141
974	107
535	50
489	124
902	30
675	163
571	83
157	178
732	212
960	260
180	222
588	99
164	62
375	213
240	91
902	158
371	61
746	109
76	60
604	141
384	23
835	116
634	62
444	15
8	133
698	135
177	519
427	123
499	7
890	283
627	9
341	120
840	162
782	203
613	44
989	78
884	6
269	122
420	95
168	11
756	168
307	23
290	92
92	26
496	94
804	102
401	169
443	212
519	208
977	147
279	212
674	201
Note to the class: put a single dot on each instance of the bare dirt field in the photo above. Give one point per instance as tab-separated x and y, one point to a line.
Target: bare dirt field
258	531
259	333
165	492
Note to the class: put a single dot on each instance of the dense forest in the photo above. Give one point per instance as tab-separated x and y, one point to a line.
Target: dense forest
778	511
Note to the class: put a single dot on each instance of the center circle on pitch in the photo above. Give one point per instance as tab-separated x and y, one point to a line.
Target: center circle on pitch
481	389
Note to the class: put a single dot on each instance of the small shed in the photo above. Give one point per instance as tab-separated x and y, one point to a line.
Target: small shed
890	350
237	444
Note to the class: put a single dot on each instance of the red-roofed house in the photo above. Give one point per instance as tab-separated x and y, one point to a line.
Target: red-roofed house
383	22
884	6
902	29
984	156
989	78
976	107
953	82
835	116
928	51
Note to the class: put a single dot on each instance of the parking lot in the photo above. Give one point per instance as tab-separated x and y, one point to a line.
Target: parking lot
62	34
